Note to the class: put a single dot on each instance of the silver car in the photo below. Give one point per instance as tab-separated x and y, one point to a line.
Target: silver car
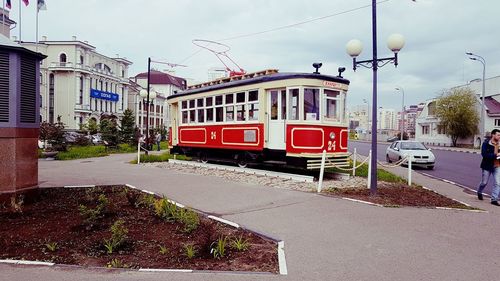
421	155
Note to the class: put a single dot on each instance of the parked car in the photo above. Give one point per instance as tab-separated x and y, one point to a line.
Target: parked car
422	156
392	139
95	139
71	136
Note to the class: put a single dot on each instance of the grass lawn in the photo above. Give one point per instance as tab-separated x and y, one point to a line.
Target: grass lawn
79	152
382	175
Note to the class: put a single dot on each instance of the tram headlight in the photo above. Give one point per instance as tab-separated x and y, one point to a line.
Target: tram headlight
332	135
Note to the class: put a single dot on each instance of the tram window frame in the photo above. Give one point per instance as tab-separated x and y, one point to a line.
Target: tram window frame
229	113
184	104
253	105
229	99
311	111
293	106
219	100
191	104
274	106
337	99
240	107
209	114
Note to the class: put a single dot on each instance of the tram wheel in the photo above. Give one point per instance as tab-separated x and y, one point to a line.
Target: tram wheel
241	161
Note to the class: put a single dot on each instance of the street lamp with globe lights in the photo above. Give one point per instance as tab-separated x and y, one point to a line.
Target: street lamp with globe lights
480	59
395	43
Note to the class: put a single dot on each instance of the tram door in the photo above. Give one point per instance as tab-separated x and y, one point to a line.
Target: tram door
277	117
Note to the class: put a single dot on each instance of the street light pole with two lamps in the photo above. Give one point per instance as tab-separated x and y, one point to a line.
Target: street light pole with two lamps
354	47
480	59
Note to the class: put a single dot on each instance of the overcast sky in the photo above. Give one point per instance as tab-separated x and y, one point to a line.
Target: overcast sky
437	32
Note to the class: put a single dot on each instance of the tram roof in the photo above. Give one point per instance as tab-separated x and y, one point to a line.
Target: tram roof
260	79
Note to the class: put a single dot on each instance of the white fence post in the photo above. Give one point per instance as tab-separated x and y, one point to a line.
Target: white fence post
138	152
354	163
321	171
410	157
369	169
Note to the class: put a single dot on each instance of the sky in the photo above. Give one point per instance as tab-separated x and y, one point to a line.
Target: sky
437	33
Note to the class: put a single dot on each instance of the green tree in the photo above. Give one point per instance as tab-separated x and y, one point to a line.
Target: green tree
91	127
456	109
109	130
54	135
127	128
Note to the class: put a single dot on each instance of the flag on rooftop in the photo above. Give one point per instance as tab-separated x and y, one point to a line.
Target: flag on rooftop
26	2
41	5
9	4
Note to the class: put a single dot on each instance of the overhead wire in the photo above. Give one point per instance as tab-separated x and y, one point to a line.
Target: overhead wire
287	26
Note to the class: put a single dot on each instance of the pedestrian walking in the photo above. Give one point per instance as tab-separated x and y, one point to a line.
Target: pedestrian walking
490	165
158	140
141	140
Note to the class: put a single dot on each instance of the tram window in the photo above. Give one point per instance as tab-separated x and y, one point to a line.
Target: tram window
184	104
283	105
240	97
331	103
201	115
274	105
253	111
229	98
253	96
185	117
229	113
199	102
192	116
293	103
311	104
240	113
210	114
218	100
208	101
219	114
191	104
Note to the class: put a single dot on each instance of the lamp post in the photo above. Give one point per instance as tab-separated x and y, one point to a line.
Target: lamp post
483	61
402	112
354	47
148	96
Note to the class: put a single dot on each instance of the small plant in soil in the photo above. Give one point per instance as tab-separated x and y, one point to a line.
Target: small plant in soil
190	220
239	244
17	202
116	263
190	251
132	197
165	209
146	201
118	236
218	248
51	246
91	215
163	250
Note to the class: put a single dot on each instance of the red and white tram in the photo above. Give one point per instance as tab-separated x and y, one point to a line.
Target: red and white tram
263	117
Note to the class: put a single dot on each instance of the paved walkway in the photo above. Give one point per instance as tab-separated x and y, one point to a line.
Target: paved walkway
325	238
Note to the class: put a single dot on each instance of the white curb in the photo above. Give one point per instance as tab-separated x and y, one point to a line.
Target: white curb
233	224
361	201
281	258
131	186
165	270
79	186
147	191
27	262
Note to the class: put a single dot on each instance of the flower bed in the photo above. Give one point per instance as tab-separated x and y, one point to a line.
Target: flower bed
121	227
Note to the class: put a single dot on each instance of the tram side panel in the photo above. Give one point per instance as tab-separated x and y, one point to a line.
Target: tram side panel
315	139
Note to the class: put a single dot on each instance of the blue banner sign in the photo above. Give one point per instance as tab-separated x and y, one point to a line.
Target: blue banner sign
103	95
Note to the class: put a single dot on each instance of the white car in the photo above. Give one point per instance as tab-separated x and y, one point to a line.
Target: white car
421	155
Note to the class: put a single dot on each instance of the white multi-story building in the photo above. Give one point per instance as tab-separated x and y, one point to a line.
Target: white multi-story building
5	22
386	119
162	85
77	83
428	130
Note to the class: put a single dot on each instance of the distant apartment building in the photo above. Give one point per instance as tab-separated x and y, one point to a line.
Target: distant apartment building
162	85
77	83
359	119
411	113
6	22
386	119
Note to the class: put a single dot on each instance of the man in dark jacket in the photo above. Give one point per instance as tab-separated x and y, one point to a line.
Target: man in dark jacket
490	165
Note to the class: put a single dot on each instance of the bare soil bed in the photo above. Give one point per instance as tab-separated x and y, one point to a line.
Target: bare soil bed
52	229
397	194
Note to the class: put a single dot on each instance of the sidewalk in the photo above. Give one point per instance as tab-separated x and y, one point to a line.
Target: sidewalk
325	238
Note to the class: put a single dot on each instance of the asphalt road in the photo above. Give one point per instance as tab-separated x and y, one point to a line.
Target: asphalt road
458	167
